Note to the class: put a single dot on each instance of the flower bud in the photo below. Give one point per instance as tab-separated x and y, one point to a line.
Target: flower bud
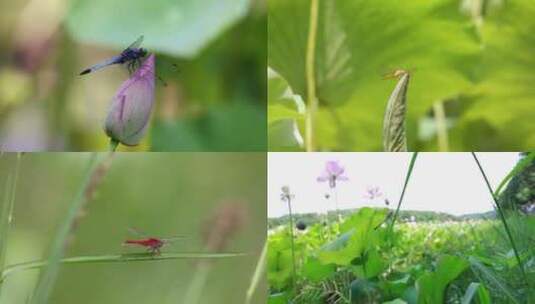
132	105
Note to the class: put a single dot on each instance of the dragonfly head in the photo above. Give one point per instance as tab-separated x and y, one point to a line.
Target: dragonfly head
142	52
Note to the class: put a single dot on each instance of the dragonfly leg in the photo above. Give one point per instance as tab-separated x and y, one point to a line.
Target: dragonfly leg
136	63
130	68
161	80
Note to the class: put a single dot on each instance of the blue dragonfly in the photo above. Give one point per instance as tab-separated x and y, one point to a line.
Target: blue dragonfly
131	56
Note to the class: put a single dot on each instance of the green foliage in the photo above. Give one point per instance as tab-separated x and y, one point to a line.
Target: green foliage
475	68
520	191
476	292
354	261
168	26
362	235
280	263
431	286
220	129
363	291
403	216
316	271
396	301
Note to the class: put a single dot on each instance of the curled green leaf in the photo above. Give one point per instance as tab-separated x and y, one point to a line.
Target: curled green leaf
394	135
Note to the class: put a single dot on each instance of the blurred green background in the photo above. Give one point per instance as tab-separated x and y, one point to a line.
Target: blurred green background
215	99
470	59
162	194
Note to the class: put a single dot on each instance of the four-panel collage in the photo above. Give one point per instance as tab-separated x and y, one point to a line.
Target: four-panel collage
267	152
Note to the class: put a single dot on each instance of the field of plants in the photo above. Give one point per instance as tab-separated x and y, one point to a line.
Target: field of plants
374	255
437	262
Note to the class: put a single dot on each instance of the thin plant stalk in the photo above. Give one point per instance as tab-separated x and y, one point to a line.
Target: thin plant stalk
312	102
442	128
325	221
407	178
7	211
196	287
503	220
257	275
334	192
5	220
226	221
294	277
113	145
115	258
94	173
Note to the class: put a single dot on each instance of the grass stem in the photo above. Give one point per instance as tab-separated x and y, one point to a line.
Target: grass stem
93	176
257	275
194	292
442	128
504	221
115	258
407	178
7	211
294	268
312	102
113	145
335	196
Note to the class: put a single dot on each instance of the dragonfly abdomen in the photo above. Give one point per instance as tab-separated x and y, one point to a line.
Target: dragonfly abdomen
113	60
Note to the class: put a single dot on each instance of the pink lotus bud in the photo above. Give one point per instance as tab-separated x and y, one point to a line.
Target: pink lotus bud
130	109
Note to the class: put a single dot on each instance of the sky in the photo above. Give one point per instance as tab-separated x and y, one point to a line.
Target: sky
445	182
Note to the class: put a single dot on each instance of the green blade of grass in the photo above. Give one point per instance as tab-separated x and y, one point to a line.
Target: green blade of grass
5	221
503	220
257	275
312	100
7	210
407	178
117	258
494	279
50	272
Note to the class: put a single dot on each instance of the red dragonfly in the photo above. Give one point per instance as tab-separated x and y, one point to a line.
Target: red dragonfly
153	244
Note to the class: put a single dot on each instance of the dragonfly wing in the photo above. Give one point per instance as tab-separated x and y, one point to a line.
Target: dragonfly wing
172	239
136	232
136	43
98	66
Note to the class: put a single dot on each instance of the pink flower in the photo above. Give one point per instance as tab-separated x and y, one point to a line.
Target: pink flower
373	193
333	172
131	107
